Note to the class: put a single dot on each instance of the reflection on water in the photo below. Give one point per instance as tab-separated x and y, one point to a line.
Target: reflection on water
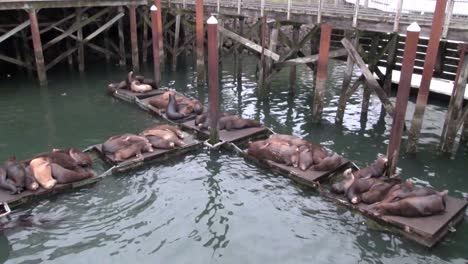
210	207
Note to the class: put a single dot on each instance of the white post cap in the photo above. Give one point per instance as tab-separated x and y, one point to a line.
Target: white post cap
414	27
212	20
153	8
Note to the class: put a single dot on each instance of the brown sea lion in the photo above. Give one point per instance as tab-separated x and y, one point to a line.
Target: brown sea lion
275	151
160	143
172	110
61	158
138	87
125	146
358	187
378	191
166	135
343	186
375	170
236	122
6	183
31	182
417	206
42	171
62	175
329	163
81	158
174	129
15	173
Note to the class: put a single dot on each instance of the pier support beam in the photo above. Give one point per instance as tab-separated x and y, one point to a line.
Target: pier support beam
122	59
429	62
176	42
37	44
455	115
292	69
322	72
200	37
79	35
391	59
261	72
372	62
157	3
154	35
213	78
144	45
409	56
134	37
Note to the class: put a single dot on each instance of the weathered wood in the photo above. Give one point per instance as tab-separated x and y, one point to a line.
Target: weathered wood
26	52
37	44
14	61
200	48
213	79
123	59
391	59
448	18
176	42
312	59
144	45
134	37
373	57
371	81
239	55
249	44
80	46
346	80
269	60
14	30
454	116
75	27
396	23
60	58
356	13
319	11
262	64
429	62
292	68
322	72
107	25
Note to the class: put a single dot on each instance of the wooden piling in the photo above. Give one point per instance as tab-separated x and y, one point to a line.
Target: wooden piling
37	45
322	72
391	60
454	118
269	61
200	36
262	73
79	34
213	78
348	74
372	62
239	55
134	37
144	45
154	35
429	62
404	87
157	3
176	42
122	59
293	68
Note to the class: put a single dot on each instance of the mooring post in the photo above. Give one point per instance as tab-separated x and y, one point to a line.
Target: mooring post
292	69
79	35
454	117
372	65
391	59
409	56
200	37
157	3
261	82
239	55
176	43
213	79
322	72
154	35
36	38
396	23
429	62
144	45
122	60
134	37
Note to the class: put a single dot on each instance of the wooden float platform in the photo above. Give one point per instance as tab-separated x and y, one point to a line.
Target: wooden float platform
426	231
130	96
145	105
230	136
156	155
308	177
14	200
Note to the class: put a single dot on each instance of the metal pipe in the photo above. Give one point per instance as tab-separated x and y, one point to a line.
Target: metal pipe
404	87
213	78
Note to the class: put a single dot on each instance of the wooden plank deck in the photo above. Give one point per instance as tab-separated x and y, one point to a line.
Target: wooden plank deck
38	4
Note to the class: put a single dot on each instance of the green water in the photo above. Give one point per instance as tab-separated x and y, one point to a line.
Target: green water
209	207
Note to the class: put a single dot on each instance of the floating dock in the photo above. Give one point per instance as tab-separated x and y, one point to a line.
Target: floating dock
145	105
130	96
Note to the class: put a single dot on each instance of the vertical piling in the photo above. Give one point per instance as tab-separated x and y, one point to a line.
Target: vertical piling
154	35
322	72
79	34
423	93
176	42
36	39
453	119
200	36
123	59
134	37
157	3
372	55
391	59
261	82
292	69
404	87
213	79
239	55
144	45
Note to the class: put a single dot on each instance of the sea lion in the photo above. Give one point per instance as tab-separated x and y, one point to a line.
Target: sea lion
147	81
343	186
275	151
160	143
378	191
124	146
134	150
293	140
413	206
329	163
81	158
172	110
16	173
236	122
408	191
31	183
6	183
166	135
42	171
358	187
159	103
174	129
138	87
61	158
62	175
375	170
